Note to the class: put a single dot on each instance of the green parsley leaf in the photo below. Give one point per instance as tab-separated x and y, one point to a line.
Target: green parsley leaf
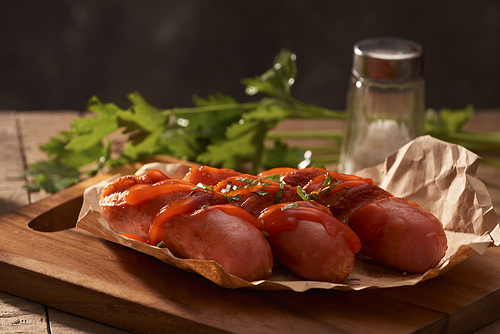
448	120
89	131
278	80
51	176
447	125
212	126
281	155
244	141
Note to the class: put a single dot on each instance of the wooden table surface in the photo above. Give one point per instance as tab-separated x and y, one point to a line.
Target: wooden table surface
21	134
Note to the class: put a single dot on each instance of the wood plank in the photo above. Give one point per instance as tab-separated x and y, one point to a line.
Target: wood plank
488	121
65	323
484	120
19	315
490	176
36	128
12	194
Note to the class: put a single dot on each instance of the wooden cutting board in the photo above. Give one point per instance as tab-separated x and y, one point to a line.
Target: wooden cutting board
76	272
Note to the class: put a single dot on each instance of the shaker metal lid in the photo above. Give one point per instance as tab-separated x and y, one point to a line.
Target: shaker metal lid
387	59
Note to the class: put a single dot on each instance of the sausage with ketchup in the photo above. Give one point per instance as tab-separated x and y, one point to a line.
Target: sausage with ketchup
392	230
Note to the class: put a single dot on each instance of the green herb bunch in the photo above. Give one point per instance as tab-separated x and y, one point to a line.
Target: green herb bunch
218	131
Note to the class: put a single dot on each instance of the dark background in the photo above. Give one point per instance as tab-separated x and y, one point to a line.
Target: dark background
57	54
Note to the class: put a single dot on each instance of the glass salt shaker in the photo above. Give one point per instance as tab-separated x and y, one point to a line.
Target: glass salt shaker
385	102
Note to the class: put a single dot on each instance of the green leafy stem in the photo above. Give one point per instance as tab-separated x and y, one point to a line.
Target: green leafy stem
217	131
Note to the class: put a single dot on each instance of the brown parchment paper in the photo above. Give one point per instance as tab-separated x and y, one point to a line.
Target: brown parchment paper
439	176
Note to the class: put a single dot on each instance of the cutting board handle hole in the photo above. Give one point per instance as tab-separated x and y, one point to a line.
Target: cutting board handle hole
61	217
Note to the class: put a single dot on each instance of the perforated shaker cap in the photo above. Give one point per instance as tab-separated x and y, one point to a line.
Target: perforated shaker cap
387	59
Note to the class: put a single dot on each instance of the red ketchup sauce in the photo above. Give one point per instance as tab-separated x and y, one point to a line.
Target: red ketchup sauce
285	217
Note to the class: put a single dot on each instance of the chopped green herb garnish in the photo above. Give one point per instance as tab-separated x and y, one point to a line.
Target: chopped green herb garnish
327	191
277	199
228	187
249	181
252	182
346	221
265	233
305	196
160	244
199	186
354	279
275	177
289	206
328	180
302	194
232	197
260	192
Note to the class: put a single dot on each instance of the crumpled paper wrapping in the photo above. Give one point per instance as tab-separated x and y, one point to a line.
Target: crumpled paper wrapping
439	176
